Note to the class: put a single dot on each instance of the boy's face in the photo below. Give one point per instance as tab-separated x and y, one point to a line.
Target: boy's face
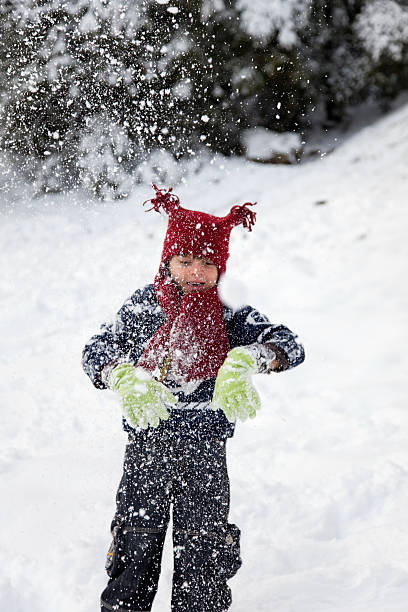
193	273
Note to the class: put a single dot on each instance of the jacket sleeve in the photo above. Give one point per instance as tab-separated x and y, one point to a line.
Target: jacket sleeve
248	326
123	339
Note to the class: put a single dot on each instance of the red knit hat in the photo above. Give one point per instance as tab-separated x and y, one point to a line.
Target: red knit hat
191	232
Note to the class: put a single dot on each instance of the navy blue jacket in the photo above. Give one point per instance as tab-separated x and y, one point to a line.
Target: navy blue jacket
136	322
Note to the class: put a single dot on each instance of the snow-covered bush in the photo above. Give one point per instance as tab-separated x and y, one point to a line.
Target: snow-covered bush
264	19
161	167
104	152
383	29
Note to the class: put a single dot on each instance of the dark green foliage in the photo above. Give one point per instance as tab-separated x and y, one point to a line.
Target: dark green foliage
337	64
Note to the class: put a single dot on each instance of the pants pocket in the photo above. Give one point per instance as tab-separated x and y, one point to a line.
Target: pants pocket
115	558
230	550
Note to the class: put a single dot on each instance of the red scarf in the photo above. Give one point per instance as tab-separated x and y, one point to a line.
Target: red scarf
193	340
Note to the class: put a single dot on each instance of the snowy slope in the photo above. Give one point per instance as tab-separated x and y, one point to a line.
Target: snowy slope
319	479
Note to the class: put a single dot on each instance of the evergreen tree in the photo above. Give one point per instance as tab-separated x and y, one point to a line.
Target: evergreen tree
334	55
382	28
354	50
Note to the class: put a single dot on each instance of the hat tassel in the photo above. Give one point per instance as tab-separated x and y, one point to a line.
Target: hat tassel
243	215
164	199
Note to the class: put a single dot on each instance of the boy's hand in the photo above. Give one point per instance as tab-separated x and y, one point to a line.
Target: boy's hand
143	398
234	392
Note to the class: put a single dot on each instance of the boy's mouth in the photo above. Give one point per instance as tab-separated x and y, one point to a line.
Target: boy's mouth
191	284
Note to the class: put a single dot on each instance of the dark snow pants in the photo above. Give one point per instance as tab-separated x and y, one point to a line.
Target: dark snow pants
192	476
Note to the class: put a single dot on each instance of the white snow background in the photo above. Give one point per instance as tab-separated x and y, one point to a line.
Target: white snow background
320	477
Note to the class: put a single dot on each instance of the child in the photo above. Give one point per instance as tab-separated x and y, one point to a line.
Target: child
181	362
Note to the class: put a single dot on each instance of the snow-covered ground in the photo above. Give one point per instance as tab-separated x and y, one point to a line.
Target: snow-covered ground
319	478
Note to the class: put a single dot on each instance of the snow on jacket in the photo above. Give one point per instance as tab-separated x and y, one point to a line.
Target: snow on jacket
136	322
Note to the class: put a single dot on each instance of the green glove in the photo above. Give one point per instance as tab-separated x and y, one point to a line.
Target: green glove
234	392
143	398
